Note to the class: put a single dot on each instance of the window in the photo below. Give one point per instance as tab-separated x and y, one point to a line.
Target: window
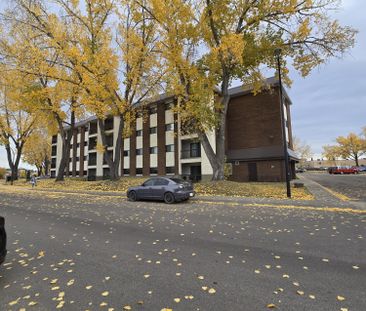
161	182
85	143
139	133
153	150
126	171
169	106
139	171
139	151
170	169
110	153
92	159
195	150
77	159
169	127
109	140
126	153
153	130
54	139
53	163
92	143
77	145
153	110
153	170
54	151
149	182
86	158
93	128
139	114
108	124
169	148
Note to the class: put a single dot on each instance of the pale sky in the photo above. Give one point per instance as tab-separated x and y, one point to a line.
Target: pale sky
332	100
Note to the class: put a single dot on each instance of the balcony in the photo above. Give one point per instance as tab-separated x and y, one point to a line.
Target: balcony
190	149
191	153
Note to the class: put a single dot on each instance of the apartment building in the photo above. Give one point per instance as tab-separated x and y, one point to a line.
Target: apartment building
158	146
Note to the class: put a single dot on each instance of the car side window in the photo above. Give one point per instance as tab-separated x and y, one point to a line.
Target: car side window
161	182
149	183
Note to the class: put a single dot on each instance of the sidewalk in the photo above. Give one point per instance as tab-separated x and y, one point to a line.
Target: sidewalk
324	196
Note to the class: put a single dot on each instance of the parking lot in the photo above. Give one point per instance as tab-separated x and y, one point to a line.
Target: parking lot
353	186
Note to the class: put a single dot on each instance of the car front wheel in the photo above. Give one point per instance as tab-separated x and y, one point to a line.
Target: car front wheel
132	196
169	198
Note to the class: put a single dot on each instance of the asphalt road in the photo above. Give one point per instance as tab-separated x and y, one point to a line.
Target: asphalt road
84	252
353	186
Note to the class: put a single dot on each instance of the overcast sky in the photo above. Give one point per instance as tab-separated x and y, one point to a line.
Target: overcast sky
332	100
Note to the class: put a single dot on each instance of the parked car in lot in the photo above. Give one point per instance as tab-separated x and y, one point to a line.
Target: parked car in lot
2	240
361	169
342	170
300	170
165	189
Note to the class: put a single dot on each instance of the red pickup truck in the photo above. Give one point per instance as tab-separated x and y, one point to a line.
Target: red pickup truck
342	170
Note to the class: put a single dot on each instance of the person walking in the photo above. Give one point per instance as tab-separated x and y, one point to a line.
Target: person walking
33	181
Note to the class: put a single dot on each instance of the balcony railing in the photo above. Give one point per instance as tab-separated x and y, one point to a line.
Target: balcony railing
191	153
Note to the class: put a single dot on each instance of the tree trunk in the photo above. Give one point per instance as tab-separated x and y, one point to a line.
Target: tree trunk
217	159
356	159
66	139
113	163
14	165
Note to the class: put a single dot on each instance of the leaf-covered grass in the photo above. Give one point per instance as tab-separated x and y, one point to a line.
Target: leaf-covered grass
221	188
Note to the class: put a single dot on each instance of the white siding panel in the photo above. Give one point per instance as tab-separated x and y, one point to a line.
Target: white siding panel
153	160
139	142
169	116
153	140
126	144
139	124
154	120
169	159
139	161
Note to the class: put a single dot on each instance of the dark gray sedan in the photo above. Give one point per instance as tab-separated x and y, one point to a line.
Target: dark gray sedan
169	190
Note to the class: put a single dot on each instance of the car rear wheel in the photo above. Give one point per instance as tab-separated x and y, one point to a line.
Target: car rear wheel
169	198
132	196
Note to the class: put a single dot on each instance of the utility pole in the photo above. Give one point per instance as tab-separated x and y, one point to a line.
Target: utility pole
283	123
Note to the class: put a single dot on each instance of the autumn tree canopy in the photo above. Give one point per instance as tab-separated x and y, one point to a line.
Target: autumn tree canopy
17	117
209	43
37	151
350	147
103	57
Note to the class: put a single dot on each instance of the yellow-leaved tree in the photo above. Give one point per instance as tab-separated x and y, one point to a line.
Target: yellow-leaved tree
31	46
17	119
37	151
82	66
350	147
219	41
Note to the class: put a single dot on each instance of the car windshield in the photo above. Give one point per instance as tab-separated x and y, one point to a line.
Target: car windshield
178	180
